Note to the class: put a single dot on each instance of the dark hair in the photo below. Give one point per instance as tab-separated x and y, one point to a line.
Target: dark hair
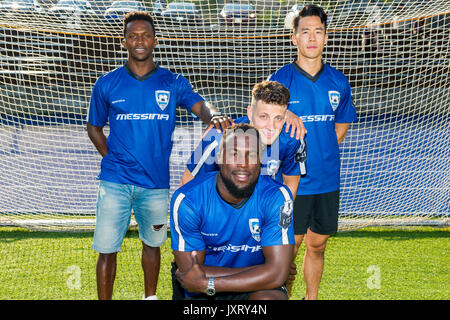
311	11
270	92
242	128
137	15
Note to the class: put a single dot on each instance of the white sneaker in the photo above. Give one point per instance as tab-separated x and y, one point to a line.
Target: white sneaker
149	297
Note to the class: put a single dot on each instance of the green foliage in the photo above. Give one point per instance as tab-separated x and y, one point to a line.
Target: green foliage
412	263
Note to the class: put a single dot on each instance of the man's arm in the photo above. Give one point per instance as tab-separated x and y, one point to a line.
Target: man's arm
98	138
186	177
341	131
211	116
185	260
202	159
292	183
270	275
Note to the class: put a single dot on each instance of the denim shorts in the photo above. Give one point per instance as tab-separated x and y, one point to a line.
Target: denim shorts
115	204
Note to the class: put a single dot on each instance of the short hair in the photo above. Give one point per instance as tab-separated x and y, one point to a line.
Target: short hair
271	92
137	15
242	128
311	10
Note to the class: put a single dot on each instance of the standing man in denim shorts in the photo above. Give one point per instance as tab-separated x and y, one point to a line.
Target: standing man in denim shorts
139	100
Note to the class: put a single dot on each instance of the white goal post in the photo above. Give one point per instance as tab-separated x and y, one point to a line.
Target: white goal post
395	159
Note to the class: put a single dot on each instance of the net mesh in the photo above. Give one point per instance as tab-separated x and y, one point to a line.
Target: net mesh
395	159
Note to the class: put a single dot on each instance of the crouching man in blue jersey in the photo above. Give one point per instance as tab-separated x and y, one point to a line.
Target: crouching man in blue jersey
231	231
139	101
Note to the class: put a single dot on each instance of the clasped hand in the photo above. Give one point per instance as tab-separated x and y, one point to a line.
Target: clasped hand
193	279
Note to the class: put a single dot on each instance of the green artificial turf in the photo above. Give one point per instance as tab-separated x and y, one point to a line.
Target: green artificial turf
367	264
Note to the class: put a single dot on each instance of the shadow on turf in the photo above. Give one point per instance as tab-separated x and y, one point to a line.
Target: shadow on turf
9	234
404	233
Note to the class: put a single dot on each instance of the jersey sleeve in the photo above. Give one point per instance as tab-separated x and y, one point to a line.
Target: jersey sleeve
278	222
186	95
295	162
289	164
281	76
98	106
204	158
346	113
184	225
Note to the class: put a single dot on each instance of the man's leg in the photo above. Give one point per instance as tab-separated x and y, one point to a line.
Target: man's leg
298	243
106	274
290	282
303	207
313	262
112	220
151	261
150	210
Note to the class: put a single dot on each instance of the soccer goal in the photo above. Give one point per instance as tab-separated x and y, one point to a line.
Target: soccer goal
395	159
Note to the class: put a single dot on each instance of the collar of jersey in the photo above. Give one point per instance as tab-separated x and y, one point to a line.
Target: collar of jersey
238	205
145	76
306	74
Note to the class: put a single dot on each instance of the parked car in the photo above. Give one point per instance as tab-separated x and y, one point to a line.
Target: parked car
158	7
16	8
181	13
237	13
375	13
72	9
118	9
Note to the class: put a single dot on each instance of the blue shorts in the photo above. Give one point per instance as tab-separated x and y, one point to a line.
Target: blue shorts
115	204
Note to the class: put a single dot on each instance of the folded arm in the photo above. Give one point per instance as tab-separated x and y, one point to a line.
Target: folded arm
273	273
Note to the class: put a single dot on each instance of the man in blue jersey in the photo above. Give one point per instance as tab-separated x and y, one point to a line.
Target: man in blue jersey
231	231
321	97
139	101
284	156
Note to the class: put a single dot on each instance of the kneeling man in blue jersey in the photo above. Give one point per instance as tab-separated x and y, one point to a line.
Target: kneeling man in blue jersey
284	156
139	100
231	231
321	97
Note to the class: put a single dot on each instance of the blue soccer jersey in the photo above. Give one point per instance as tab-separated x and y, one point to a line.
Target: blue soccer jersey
278	158
231	236
320	101
141	114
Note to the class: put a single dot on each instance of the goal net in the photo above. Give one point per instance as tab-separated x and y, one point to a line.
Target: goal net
395	159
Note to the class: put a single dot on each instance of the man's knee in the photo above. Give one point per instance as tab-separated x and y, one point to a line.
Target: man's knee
107	257
316	243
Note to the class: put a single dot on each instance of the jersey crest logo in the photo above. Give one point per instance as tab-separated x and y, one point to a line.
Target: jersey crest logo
162	98
272	167
334	97
255	229
286	214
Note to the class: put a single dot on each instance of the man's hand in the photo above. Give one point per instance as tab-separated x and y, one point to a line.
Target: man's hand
194	279
295	124
211	116
292	274
220	122
291	278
